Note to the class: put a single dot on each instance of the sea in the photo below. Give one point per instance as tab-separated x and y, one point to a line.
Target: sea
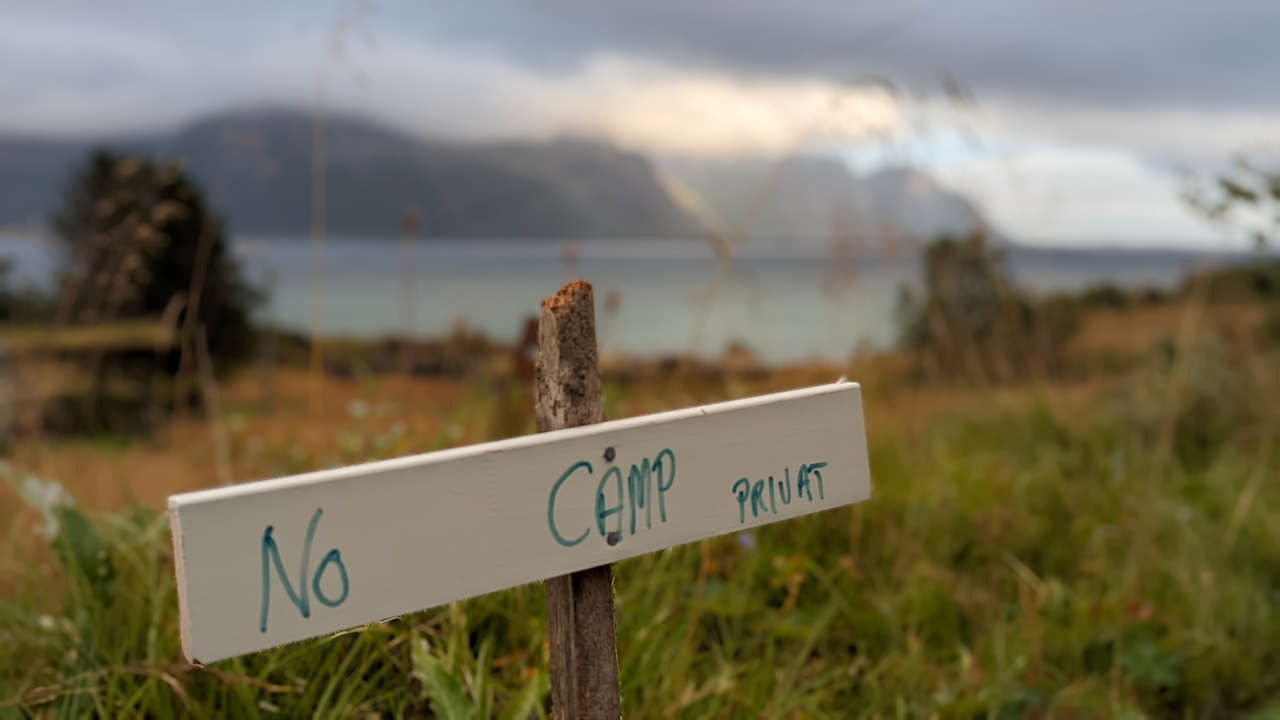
653	298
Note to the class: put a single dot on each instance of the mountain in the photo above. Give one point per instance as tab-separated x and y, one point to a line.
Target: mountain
814	202
924	208
32	171
256	168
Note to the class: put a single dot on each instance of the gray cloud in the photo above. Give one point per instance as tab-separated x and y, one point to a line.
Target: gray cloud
1178	53
1090	72
1109	88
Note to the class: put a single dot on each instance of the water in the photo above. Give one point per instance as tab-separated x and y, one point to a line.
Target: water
669	297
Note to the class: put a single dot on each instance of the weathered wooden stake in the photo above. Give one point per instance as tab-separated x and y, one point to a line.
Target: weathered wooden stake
584	653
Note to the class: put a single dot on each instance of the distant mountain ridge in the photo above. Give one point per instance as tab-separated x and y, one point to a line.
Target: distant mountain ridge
256	168
812	202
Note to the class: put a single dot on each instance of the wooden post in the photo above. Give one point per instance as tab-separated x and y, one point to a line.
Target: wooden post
584	653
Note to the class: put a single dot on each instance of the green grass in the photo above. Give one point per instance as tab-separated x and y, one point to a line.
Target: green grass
1011	564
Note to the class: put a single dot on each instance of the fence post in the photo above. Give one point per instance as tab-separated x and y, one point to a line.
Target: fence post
580	626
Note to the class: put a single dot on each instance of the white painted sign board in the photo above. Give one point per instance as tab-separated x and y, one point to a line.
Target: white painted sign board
272	562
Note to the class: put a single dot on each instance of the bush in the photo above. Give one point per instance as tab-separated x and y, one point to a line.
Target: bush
1258	280
137	235
1197	400
973	322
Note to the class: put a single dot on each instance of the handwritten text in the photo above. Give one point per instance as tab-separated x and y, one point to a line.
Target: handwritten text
617	505
764	496
300	598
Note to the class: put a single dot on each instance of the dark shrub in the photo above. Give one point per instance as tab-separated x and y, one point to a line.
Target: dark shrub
137	235
973	322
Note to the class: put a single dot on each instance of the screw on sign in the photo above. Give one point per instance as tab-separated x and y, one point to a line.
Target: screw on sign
272	562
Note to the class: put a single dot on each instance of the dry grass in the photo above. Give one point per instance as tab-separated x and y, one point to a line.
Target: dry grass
1029	552
114	473
1133	331
418	414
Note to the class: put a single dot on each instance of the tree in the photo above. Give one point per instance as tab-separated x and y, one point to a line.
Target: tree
973	322
137	235
1247	198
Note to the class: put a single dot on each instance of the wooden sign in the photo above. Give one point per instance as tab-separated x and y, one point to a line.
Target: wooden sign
272	562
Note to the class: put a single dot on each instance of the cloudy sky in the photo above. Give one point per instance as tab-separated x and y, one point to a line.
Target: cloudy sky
1066	121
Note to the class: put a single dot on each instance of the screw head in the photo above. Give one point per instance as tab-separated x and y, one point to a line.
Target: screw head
614	537
609	454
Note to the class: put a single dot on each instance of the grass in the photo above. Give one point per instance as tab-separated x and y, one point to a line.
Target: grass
1100	550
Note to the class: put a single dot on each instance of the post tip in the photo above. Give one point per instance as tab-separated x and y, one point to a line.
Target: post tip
573	292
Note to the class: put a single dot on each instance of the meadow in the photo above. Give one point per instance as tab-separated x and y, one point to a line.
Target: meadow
1103	543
